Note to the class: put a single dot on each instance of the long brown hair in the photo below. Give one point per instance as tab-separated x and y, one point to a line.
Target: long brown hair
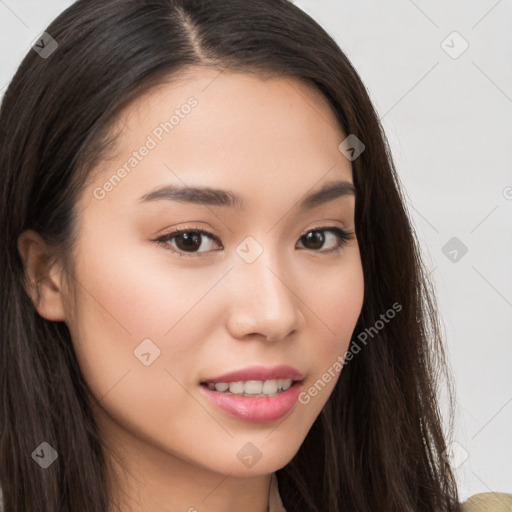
378	443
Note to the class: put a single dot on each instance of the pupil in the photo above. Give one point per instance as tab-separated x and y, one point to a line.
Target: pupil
190	241
315	236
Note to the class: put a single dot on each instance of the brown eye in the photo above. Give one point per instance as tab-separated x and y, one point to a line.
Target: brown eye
187	241
315	238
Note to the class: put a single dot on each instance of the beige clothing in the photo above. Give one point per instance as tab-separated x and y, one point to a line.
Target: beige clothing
489	502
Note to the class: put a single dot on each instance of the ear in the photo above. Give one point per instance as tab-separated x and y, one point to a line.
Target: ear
43	281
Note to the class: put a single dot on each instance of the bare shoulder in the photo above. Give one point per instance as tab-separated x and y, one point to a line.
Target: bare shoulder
488	502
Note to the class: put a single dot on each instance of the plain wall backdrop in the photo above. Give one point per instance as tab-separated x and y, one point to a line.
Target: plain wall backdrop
440	76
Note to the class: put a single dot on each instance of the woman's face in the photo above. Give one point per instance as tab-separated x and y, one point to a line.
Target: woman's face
157	316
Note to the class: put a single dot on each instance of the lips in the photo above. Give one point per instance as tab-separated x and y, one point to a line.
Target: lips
254	409
261	373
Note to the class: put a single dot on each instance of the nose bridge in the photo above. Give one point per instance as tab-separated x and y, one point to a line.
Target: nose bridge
264	301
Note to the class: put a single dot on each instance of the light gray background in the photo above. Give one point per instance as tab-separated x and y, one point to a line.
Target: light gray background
449	122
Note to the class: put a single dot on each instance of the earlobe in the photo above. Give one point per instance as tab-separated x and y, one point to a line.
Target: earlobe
43	281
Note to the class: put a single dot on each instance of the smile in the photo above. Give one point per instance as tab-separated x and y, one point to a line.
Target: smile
253	388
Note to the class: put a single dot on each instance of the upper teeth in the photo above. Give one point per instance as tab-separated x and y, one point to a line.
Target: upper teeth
252	387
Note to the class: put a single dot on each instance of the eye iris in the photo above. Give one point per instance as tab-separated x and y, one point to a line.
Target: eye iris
316	237
192	242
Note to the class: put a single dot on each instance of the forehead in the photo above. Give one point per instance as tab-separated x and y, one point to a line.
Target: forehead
247	92
211	127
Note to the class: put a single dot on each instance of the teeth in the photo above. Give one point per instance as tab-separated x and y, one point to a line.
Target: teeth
221	386
237	388
252	387
270	387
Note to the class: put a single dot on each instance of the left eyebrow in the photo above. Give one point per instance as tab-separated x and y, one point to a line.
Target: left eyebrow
216	197
328	192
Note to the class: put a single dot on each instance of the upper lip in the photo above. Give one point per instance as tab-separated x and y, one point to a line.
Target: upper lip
258	373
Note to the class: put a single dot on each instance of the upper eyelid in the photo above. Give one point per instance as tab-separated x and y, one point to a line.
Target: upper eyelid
179	230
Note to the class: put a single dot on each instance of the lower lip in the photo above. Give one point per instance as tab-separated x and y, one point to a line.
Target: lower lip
261	409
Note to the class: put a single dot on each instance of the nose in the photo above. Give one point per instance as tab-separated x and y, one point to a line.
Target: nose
263	301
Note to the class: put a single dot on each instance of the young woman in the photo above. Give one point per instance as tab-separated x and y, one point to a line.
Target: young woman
212	296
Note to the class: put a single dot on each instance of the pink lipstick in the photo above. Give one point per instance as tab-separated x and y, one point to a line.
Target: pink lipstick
257	394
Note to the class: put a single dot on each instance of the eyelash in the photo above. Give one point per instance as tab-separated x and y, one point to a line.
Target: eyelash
343	238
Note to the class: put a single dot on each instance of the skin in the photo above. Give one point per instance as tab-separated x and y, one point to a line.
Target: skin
272	141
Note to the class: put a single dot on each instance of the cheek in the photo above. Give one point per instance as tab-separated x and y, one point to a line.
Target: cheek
125	297
336	298
128	303
136	292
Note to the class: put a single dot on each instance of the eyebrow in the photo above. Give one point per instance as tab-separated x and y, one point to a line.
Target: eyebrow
216	197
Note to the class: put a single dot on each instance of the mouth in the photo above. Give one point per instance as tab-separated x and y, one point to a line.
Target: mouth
255	381
257	395
252	388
